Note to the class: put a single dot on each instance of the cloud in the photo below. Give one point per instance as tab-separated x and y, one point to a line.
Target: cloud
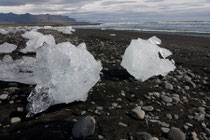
107	9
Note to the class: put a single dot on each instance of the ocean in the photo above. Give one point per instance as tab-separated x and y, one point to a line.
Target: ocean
196	28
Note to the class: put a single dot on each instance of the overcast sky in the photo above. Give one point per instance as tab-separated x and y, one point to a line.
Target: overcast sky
114	10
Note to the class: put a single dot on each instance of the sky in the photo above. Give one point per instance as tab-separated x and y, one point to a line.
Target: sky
114	10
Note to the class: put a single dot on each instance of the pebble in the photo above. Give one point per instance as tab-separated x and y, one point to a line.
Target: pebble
194	136
185	127
3	96
167	85
191	84
20	109
166	99
176	116
169	116
137	113
11	102
190	117
100	137
187	78
148	108
176	99
207	131
189	124
165	129
99	108
84	127
176	134
187	87
164	124
123	93
114	105
122	124
154	138
202	110
200	117
156	94
15	120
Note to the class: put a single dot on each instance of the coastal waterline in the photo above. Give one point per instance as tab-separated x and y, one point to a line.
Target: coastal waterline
195	28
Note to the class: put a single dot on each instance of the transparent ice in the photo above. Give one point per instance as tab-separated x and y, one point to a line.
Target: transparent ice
144	59
64	74
20	70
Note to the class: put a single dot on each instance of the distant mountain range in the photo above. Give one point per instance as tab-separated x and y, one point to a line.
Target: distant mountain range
28	18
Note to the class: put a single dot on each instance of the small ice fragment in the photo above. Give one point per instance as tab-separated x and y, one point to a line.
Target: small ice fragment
17	70
64	74
61	29
3	31
64	30
112	35
141	59
36	40
155	40
7	48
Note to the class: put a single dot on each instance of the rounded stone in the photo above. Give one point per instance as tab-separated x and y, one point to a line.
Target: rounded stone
166	99
167	85
15	120
154	138
176	134
165	129
207	131
84	127
3	96
20	109
138	114
143	136
176	99
148	108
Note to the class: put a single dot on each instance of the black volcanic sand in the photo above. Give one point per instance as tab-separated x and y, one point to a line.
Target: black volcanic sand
192	57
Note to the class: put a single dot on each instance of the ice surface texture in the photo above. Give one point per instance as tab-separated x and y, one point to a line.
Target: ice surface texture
142	59
7	48
17	70
36	40
155	40
64	73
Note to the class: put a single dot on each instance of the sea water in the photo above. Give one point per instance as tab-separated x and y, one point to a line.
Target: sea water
198	28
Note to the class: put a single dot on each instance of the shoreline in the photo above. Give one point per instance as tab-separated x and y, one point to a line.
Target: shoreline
190	33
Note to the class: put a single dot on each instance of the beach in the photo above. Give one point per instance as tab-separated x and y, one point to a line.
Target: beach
118	92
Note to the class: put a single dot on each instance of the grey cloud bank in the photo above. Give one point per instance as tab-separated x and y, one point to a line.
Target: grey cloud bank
113	11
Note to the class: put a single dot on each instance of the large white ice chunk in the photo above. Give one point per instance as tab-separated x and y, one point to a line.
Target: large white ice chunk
36	40
142	59
7	48
19	70
64	74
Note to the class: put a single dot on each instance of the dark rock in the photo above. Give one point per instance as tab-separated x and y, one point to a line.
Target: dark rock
84	127
191	84
176	134
207	131
142	136
167	85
